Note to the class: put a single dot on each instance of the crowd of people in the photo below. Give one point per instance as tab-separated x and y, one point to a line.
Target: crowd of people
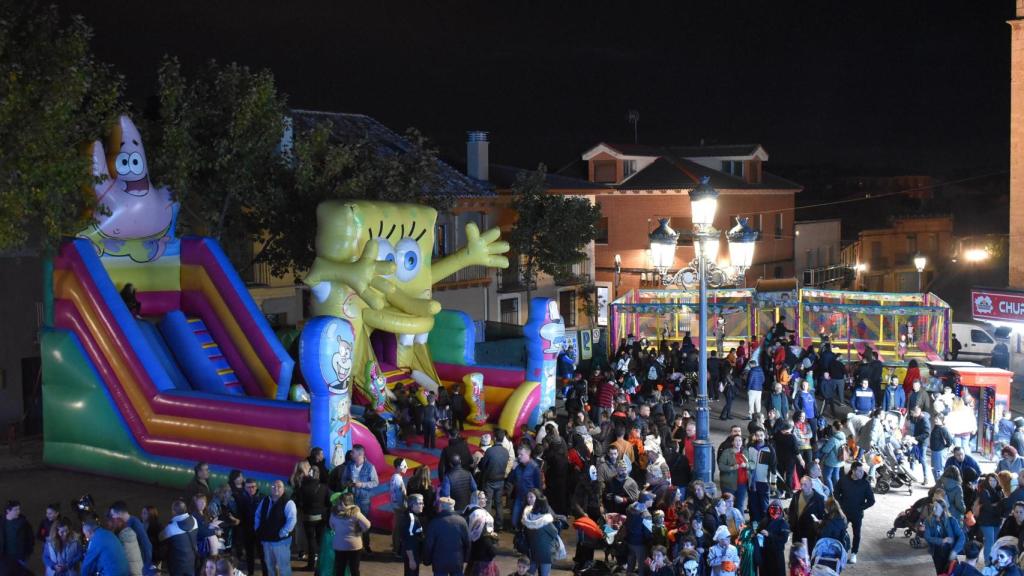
616	465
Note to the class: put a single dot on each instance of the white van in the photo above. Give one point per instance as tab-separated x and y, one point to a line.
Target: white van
976	341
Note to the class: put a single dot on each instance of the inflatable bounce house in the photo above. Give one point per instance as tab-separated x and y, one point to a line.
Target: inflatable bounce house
159	358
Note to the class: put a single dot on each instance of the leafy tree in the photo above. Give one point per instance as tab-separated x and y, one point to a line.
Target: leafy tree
551	231
216	143
322	168
54	98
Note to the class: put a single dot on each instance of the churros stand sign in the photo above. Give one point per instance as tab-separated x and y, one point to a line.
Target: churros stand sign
993	305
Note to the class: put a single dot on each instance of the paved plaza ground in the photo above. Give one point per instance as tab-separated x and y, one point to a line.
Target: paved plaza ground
25	478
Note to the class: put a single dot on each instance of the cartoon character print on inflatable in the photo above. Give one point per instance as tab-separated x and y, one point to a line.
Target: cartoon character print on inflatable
374	268
542	353
473	392
325	357
378	386
132	218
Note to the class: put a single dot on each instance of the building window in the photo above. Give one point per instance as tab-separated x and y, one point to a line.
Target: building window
508	309
734	167
567	307
778	226
911	244
604	170
809	262
440	240
628	168
602	231
778	272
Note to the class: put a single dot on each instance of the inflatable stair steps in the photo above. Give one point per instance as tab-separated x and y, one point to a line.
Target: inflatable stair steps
214	354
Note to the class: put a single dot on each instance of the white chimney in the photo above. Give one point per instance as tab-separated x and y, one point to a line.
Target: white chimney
477	158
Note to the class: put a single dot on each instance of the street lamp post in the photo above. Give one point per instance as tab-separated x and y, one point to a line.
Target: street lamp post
704	204
920	262
705	271
618	274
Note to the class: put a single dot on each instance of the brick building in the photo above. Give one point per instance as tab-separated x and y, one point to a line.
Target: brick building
883	258
646	183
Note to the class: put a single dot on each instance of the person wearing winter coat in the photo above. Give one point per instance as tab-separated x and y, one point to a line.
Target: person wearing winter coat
830	457
833	524
944	536
939	442
854	495
62	551
832	390
638	531
130	543
895	397
541	534
803	509
180	541
105	555
733	471
349	524
779	402
990	516
755	386
920	427
447	544
14	523
951	484
863	398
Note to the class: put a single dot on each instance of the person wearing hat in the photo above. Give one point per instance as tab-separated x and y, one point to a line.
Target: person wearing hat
491	470
447	544
622	490
723	558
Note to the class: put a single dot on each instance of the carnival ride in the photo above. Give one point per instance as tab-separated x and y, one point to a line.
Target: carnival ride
851	320
158	357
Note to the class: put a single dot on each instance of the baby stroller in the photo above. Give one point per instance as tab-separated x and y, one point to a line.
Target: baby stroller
894	471
829	553
911	521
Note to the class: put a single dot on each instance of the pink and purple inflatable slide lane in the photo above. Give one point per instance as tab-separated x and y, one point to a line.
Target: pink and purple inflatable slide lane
171	428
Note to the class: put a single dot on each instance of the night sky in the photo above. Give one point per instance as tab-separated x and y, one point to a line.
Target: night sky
890	86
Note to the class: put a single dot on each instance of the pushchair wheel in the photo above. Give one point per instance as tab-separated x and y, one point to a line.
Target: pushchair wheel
891	533
908	532
881	487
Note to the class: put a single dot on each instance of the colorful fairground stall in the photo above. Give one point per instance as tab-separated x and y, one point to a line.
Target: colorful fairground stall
851	320
983	394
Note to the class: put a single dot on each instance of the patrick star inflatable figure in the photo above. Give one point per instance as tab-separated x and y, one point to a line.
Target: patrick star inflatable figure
133	218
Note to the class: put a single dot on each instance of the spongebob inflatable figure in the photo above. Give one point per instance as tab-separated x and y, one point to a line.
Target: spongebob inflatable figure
374	268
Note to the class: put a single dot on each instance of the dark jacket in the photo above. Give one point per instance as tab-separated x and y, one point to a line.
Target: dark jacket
447	544
455	446
312	499
802	525
24	543
494	463
524	478
920	429
990	502
939	439
459	485
541	534
195	486
179	541
854	496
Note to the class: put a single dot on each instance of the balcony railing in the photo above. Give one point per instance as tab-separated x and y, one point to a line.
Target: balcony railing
827	275
511	279
467	274
578	273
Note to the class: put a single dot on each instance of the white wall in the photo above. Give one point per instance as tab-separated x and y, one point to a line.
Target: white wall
816	237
